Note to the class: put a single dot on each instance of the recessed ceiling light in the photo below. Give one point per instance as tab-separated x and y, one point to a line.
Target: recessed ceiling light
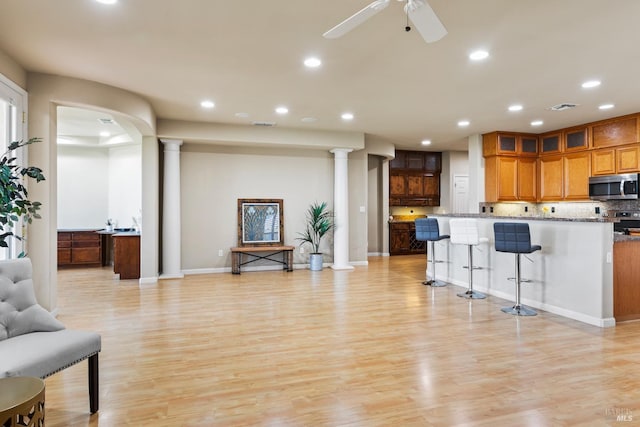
537	123
105	134
515	107
606	106
242	115
312	62
426	142
282	110
308	119
479	55
207	104
347	116
464	123
107	1
591	83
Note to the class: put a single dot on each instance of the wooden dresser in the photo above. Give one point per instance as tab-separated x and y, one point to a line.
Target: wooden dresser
126	255
79	248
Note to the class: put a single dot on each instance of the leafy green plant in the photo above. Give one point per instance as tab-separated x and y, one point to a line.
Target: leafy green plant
319	222
14	202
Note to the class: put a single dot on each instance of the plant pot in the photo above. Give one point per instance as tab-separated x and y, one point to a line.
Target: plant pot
315	262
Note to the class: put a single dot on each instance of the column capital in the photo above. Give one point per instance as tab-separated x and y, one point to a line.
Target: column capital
340	151
171	144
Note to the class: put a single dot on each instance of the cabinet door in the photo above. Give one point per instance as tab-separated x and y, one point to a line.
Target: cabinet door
576	139
507	178
399	161
577	168
528	146
603	162
397	185
551	178
507	144
399	238
618	131
550	144
415	160
528	179
414	185
628	159
432	162
431	187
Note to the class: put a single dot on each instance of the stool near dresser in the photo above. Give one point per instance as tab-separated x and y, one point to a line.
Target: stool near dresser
427	230
464	231
515	238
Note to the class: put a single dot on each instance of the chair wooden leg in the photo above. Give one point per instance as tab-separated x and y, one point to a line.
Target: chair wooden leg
94	387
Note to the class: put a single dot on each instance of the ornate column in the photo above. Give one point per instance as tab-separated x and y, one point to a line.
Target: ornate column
341	209
171	233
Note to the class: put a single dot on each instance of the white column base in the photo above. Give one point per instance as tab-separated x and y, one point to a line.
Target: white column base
342	267
171	276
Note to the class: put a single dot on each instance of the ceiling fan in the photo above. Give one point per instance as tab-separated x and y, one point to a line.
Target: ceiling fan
418	11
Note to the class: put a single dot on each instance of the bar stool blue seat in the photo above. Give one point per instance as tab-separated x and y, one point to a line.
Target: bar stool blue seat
427	230
515	238
464	231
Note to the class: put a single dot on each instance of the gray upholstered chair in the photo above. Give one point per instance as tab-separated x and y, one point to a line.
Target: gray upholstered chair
32	342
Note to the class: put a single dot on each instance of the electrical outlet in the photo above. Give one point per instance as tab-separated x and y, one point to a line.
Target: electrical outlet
301	250
220	252
609	258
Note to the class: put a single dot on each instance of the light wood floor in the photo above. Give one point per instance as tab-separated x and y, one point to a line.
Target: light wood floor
370	347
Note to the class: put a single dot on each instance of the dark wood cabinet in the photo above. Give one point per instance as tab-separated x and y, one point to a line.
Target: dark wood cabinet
79	248
126	255
402	239
414	178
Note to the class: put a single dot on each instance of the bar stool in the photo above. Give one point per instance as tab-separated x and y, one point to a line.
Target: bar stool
514	237
464	231
427	231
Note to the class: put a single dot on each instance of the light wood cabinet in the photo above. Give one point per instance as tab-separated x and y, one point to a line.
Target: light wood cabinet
618	131
576	139
528	179
551	178
510	178
607	161
504	143
551	143
576	169
626	280
628	159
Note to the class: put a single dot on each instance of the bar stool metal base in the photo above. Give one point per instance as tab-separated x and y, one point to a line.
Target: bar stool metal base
434	283
471	294
519	310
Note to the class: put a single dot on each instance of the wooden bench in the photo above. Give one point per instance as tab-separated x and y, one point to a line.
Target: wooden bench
258	253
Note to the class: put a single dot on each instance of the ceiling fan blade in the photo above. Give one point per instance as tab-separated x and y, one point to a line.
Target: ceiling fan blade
353	21
425	20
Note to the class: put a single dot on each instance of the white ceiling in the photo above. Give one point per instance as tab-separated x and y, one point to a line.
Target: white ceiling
247	57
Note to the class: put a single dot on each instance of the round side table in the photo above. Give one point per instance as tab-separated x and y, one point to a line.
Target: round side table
21	402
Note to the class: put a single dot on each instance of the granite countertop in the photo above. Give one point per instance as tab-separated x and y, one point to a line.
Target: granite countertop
618	237
530	218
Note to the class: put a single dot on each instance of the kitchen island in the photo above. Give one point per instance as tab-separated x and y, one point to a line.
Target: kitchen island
571	276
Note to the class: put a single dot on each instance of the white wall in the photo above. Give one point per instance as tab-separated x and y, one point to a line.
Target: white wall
125	184
213	178
98	183
83	186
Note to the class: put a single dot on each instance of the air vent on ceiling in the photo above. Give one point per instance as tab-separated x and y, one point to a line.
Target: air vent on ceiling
266	124
563	106
106	121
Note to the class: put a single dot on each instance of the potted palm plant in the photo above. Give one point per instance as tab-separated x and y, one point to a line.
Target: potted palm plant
14	202
319	221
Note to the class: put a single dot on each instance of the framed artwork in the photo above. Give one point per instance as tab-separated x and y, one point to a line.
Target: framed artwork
260	222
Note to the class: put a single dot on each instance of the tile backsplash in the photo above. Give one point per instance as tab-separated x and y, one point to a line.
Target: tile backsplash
559	209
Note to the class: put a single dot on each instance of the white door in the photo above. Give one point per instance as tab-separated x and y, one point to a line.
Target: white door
460	193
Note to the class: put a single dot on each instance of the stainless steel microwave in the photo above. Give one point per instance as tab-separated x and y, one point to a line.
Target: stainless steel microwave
612	187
